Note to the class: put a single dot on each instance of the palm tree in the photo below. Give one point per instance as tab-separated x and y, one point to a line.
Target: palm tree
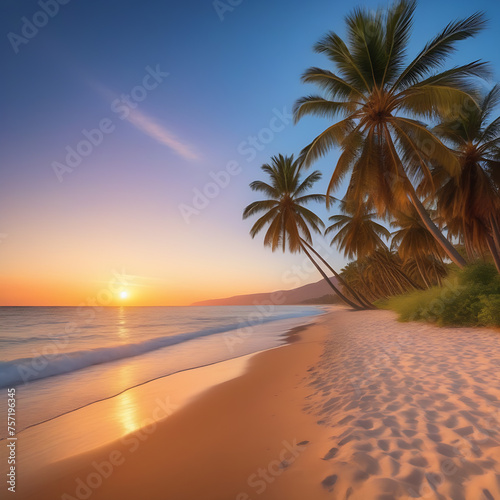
359	235
470	202
289	223
429	270
356	231
417	247
376	96
359	297
378	275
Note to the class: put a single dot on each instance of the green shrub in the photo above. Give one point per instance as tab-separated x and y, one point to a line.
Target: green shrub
490	312
469	297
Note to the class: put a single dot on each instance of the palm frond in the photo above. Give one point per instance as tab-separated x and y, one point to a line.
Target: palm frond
324	142
263	187
435	53
318	106
337	51
398	28
332	84
258	206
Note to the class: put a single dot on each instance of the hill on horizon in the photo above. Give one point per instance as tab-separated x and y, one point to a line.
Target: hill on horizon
313	293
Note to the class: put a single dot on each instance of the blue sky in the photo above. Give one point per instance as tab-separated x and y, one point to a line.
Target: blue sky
226	81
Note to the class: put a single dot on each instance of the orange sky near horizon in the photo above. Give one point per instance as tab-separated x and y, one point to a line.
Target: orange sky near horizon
44	267
117	205
140	291
64	245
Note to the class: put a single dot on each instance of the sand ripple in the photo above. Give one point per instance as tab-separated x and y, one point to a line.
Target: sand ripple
413	410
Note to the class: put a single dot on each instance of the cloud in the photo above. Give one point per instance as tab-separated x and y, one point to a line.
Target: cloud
155	130
147	124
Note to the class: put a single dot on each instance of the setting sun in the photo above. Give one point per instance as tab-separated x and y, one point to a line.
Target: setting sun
316	250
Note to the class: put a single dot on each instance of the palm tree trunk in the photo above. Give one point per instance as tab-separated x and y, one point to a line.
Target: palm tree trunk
368	290
495	230
407	279
370	293
362	300
388	289
438	274
494	251
332	286
394	271
427	284
392	278
443	242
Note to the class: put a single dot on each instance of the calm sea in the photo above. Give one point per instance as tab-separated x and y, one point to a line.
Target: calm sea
63	358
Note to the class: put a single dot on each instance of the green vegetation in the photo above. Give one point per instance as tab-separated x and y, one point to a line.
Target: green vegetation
468	297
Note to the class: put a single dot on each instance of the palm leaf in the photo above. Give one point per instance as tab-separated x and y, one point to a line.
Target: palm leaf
317	106
332	84
435	53
324	142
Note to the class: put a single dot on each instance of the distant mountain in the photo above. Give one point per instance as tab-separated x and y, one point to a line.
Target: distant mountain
314	293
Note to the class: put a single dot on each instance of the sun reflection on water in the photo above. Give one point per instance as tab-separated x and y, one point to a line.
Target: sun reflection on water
126	410
123	331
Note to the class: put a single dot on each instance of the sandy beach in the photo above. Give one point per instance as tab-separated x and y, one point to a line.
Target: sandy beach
229	231
357	406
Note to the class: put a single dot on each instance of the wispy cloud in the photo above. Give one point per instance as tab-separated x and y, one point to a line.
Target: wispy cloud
147	124
155	130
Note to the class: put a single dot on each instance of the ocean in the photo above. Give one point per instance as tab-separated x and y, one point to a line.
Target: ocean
61	359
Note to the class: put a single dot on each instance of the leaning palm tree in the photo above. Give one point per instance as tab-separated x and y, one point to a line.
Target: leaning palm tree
470	202
428	270
289	223
416	245
357	233
353	273
378	275
380	100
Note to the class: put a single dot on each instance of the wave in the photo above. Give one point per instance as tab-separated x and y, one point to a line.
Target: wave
21	371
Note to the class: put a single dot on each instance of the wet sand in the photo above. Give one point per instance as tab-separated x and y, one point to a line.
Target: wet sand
357	407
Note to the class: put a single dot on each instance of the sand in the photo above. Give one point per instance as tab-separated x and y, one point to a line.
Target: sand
358	407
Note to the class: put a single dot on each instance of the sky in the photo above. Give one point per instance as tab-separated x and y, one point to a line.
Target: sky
130	132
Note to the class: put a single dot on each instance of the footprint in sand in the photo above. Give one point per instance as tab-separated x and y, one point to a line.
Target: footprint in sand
331	454
366	462
418	461
414	479
383	444
447	450
465	431
435	437
346	420
409	433
329	482
452	421
364	447
390	421
433	429
365	424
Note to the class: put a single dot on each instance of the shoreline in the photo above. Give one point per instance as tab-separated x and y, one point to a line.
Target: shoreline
140	369
356	406
195	422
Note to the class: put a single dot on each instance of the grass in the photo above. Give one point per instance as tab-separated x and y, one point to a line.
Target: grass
468	297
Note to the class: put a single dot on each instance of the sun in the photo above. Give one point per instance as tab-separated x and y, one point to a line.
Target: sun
123	294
